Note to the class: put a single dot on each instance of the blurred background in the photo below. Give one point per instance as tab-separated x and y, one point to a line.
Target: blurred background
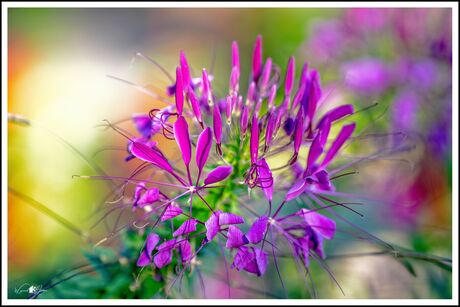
399	60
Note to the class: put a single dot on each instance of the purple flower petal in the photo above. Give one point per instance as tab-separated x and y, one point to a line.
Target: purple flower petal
257	231
266	73
144	125
217	124
261	260
269	130
212	225
151	242
336	113
195	106
314	94
183	139
235	56
299	129
150	196
343	136
187	227
145	153
186	79
146	256
140	187
234	237
296	190
257	59
218	174
242	258
226	218
203	147
303	249
234	80
185	250
265	178
244	120
271	97
316	149
290	75
164	254
207	87
171	212
254	141
179	91
143	259
319	223
298	96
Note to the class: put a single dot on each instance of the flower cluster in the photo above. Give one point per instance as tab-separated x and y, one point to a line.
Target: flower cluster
247	132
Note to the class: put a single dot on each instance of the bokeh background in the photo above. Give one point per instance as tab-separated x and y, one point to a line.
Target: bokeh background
58	62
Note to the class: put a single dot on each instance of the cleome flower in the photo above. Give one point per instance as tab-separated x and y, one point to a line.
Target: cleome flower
201	200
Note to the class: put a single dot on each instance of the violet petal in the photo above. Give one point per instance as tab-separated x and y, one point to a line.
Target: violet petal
218	174
145	153
257	231
187	227
183	139
234	237
203	148
226	218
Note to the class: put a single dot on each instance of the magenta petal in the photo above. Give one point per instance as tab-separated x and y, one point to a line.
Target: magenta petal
234	237
271	97
187	227
257	231
164	254
171	212
320	223
212	225
226	218
296	189
257	59
234	79
303	249
265	178
298	96
185	70
218	174
143	259
290	75
343	136
336	113
183	139
261	260
140	187
151	242
314	94
217	124
270	129
254	141
244	120
316	149
206	86
150	196
235	56
185	250
179	91
203	147
195	106
145	153
242	258
298	132
266	73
